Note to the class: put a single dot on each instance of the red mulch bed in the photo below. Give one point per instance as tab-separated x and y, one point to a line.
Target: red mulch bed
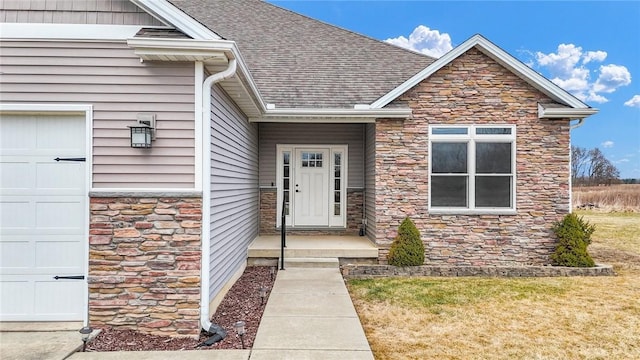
242	302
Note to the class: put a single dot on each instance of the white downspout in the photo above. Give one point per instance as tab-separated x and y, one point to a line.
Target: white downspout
206	188
575	126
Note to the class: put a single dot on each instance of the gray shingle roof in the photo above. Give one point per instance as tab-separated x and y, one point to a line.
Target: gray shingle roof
299	62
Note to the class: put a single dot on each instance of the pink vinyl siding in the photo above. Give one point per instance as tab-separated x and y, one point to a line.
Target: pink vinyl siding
113	12
110	77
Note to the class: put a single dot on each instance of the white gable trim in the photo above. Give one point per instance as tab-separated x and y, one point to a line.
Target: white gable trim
488	48
170	15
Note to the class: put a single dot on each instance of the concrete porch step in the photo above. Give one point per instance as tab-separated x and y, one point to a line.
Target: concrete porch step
311	263
298	246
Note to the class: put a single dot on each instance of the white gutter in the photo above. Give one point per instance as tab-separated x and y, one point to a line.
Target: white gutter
564	112
206	189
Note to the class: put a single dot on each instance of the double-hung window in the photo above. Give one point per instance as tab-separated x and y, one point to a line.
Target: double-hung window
472	168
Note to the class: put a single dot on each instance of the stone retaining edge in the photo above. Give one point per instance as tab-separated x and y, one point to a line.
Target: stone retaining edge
354	271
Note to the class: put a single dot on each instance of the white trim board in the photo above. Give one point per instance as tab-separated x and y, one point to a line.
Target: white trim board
68	31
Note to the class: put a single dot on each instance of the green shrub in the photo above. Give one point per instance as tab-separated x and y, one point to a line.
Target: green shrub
407	248
574	235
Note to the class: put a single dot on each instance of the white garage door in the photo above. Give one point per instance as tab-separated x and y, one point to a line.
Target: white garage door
42	217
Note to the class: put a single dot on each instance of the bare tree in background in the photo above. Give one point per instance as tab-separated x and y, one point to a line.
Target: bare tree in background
592	168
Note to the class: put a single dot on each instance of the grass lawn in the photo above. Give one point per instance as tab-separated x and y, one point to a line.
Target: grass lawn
513	318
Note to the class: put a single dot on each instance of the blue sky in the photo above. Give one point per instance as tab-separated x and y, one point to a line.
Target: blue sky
590	48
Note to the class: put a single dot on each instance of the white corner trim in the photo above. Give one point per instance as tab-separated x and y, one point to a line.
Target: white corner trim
488	48
172	16
198	119
68	31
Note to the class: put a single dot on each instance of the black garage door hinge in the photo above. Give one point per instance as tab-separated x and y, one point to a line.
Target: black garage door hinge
74	277
70	159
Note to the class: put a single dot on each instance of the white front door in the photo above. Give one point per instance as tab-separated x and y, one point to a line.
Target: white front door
42	218
311	187
311	182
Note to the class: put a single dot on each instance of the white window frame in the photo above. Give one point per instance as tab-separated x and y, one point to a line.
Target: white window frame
471	138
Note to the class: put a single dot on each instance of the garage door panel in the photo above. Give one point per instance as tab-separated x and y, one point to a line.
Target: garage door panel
59	134
16	132
59	215
15	307
53	297
59	176
16	175
58	255
15	215
16	255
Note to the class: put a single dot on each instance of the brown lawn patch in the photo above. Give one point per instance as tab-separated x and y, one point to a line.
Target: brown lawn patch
512	318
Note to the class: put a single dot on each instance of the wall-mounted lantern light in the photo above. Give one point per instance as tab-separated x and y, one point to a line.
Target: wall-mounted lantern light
144	131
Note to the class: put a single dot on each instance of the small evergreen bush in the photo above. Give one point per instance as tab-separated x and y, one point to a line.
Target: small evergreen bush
574	235
407	248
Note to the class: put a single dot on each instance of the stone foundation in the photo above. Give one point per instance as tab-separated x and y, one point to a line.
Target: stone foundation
144	264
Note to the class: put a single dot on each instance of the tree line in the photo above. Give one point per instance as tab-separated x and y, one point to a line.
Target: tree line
591	167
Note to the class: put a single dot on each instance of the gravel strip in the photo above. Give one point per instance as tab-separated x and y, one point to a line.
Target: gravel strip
242	302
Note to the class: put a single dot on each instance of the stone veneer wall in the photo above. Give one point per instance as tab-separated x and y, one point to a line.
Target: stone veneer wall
474	89
268	209
144	264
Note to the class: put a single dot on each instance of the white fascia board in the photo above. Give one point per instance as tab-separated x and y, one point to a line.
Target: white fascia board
333	115
172	16
23	31
564	113
161	44
488	48
181	49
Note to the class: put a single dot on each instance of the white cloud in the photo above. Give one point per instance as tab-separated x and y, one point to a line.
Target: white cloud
424	40
633	102
568	69
562	63
612	77
593	97
607	144
622	161
598	56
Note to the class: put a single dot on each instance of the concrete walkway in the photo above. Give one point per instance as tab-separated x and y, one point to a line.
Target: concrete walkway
310	315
